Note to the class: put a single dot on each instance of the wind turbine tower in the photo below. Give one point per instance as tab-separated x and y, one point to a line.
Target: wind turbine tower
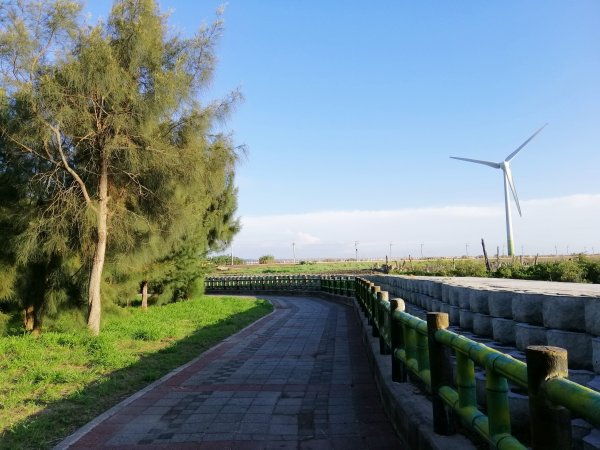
508	184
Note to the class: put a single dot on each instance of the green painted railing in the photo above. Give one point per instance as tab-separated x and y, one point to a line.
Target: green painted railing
423	350
332	284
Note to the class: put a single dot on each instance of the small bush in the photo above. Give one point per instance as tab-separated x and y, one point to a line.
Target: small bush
266	259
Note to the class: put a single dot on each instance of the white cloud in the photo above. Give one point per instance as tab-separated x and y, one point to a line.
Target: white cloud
571	221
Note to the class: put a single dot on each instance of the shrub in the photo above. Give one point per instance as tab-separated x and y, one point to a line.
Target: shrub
225	260
265	259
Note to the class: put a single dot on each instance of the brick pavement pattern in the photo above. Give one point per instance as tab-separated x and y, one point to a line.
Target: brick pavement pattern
297	379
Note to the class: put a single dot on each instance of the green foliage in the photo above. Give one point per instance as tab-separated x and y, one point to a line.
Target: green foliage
72	376
266	259
101	128
578	270
225	260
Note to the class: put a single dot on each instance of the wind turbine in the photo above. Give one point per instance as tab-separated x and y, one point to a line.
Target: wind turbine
508	183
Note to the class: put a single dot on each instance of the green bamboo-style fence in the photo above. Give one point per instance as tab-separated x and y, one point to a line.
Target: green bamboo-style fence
332	284
422	349
445	361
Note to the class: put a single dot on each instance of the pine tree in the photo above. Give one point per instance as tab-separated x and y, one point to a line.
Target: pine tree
108	118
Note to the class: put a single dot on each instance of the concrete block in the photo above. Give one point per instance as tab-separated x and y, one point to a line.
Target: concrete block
592	316
580	376
594	383
478	301
527	308
454	292
482	325
454	315
435	305
426	302
465	319
526	335
519	410
579	429
500	304
445	308
435	290
426	287
578	346
418	299
503	330
463	297
596	354
445	293
564	313
592	440
480	388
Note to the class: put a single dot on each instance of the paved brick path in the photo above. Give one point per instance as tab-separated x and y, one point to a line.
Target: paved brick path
298	379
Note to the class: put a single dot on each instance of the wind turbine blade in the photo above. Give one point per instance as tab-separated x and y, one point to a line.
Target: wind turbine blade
512	155
477	161
508	175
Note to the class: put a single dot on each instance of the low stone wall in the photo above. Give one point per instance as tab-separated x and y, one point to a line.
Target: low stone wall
512	312
510	315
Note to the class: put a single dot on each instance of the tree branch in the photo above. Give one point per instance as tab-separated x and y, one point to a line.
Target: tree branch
69	169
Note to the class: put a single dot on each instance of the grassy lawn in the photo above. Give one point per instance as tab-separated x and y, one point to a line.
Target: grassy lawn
51	385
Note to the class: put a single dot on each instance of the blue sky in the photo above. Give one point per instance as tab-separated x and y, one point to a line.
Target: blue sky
352	109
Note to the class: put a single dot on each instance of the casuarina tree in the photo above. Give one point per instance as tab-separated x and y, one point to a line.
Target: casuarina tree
106	121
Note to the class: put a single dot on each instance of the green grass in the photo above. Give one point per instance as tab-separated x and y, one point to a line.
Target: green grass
296	269
51	385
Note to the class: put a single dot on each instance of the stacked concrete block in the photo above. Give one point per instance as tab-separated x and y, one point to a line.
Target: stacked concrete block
515	317
510	317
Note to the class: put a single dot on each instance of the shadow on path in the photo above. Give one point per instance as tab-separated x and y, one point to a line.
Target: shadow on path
48	427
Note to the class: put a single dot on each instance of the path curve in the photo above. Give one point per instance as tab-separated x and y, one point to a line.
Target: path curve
296	379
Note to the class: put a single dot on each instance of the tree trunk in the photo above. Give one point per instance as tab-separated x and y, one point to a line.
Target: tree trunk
144	294
28	318
94	302
37	323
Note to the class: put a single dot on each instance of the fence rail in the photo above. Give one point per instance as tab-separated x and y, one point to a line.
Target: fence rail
333	284
423	350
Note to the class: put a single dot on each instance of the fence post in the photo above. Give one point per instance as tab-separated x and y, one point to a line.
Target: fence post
440	371
396	338
373	310
382	298
368	295
550	424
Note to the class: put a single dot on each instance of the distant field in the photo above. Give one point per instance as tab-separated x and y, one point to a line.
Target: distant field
574	268
290	269
53	384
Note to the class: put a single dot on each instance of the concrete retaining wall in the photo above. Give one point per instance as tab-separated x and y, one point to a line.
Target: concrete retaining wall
513	314
510	315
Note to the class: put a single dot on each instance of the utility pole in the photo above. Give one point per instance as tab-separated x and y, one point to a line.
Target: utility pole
356	250
421	250
390	251
232	255
467	250
556	249
294	251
